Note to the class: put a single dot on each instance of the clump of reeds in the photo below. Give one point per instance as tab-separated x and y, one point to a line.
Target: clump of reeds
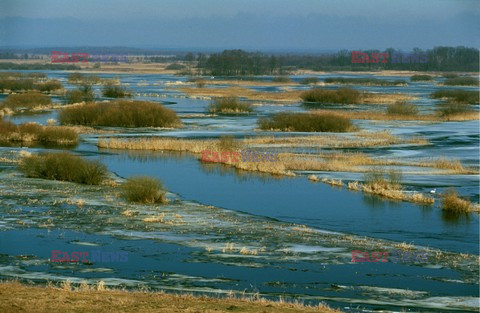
461	81
306	122
120	113
33	132
452	202
229	105
458	96
143	189
26	100
63	166
112	91
364	81
402	108
309	81
84	94
342	96
452	109
421	78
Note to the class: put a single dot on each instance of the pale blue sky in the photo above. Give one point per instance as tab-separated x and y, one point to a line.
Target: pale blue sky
261	24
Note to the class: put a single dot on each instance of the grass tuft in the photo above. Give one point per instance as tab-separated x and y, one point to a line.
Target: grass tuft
229	105
461	81
421	78
63	166
26	100
144	189
342	96
452	202
306	122
33	132
402	108
112	91
120	113
458	96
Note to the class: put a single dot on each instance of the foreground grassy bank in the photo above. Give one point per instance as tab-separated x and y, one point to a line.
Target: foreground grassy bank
15	297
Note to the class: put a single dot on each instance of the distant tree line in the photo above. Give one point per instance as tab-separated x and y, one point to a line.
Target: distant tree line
241	63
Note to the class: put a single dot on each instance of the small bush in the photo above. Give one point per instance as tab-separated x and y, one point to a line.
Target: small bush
229	105
63	166
79	78
306	122
364	81
383	179
32	132
342	96
421	78
281	79
49	86
143	190
461	81
120	113
175	66
458	95
309	80
28	100
452	202
450	75
402	108
84	94
228	143
447	109
112	91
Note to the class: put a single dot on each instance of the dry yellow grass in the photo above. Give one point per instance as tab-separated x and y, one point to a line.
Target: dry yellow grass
15	297
288	162
285	96
236	91
394	192
382	116
452	202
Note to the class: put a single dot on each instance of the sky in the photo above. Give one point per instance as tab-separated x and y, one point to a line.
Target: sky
249	24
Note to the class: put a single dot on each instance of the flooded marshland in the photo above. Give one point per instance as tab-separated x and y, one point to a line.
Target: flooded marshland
228	231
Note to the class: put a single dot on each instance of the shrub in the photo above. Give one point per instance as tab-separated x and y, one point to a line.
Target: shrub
306	122
120	113
228	143
450	75
450	108
32	132
175	66
461	81
402	108
364	81
79	78
84	94
452	202
49	86
16	84
229	105
420	78
63	166
458	95
112	91
309	80
383	179
342	95
29	100
281	79
143	190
